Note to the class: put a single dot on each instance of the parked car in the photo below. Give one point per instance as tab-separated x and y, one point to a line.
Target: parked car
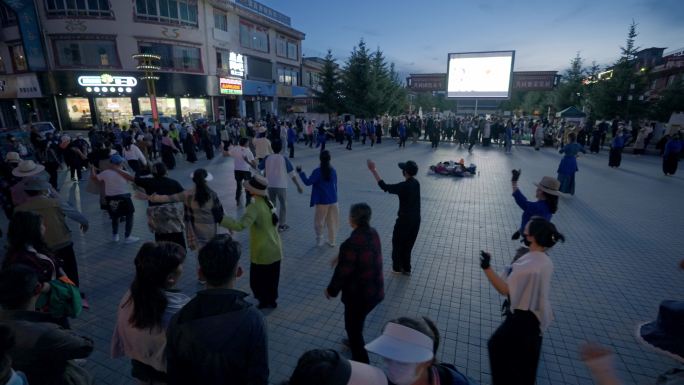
164	121
44	127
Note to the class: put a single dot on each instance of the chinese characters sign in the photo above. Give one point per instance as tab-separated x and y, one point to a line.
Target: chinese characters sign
229	86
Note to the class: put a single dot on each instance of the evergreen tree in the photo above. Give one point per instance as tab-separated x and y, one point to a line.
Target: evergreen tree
356	81
570	91
329	96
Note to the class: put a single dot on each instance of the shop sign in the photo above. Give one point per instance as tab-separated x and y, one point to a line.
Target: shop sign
107	83
20	86
236	64
229	86
28	87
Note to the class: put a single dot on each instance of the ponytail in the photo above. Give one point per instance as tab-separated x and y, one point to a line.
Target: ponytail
202	191
544	232
274	216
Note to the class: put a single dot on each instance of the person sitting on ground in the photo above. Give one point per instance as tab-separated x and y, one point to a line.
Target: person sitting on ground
218	335
44	351
146	310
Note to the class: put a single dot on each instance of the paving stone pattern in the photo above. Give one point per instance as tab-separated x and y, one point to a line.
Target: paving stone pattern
624	240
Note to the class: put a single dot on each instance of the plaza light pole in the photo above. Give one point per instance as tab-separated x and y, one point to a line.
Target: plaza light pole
257	113
147	62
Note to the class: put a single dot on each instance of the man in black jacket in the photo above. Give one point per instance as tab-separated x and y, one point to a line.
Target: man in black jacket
218	337
408	218
43	350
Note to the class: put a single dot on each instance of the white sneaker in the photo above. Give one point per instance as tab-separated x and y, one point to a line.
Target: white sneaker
131	239
331	244
319	242
115	238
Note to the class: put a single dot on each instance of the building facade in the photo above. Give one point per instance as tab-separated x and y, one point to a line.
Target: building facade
73	62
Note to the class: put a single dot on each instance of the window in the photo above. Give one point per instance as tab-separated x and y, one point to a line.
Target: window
220	20
223	60
71	8
7	16
288	76
18	58
281	45
79	52
166	11
292	50
253	37
175	57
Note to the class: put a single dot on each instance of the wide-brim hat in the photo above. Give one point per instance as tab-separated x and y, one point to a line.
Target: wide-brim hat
35	183
666	333
27	168
549	185
12	157
403	344
256	185
409	166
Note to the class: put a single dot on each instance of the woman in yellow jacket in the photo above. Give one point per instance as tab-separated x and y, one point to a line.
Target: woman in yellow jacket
264	242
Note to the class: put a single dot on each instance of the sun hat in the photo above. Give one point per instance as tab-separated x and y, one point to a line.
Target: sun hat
116	159
27	168
410	167
345	372
403	344
549	185
35	183
666	333
12	157
256	185
208	178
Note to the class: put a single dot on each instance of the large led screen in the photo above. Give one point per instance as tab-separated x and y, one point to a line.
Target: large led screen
480	74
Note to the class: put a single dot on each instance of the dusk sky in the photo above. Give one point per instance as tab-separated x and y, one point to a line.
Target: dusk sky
417	35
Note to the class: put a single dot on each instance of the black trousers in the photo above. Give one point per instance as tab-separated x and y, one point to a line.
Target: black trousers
68	257
75	171
290	146
354	317
263	280
514	350
349	142
403	239
239	177
615	157
52	168
402	141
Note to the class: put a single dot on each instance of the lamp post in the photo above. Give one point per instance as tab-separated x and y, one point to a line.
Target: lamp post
257	113
147	62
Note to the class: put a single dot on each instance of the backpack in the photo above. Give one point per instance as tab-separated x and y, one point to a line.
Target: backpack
449	375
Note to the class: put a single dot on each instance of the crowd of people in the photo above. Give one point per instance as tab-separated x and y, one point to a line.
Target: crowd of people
173	338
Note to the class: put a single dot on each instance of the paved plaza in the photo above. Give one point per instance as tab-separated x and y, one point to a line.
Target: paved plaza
624	242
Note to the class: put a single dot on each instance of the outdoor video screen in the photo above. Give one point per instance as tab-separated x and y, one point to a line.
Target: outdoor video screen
480	74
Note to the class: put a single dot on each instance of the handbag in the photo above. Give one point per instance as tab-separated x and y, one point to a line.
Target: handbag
217	209
165	219
63	299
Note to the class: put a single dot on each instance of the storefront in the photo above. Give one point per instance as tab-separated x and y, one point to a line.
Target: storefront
258	98
22	101
88	98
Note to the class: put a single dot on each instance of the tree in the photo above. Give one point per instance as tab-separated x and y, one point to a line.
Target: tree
329	96
622	94
370	86
356	81
570	91
671	100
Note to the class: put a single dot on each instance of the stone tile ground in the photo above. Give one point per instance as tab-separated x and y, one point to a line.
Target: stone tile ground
624	240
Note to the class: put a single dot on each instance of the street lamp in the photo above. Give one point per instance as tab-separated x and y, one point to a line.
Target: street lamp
147	62
258	104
